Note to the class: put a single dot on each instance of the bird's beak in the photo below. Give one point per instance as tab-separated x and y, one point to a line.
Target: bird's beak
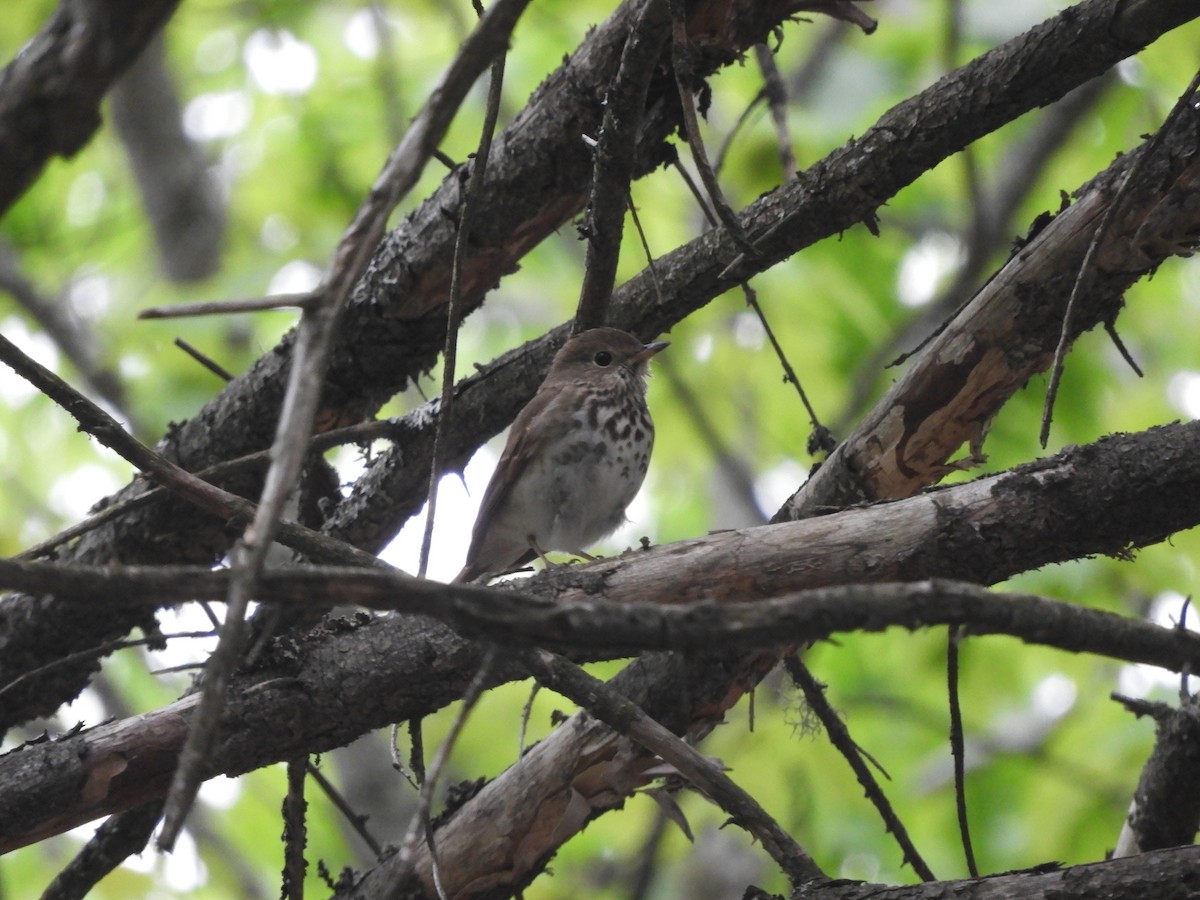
649	350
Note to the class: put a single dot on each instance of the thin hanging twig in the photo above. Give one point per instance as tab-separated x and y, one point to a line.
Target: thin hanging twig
733	467
454	304
821	438
956	747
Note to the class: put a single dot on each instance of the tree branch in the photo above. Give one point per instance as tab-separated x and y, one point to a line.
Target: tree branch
1165	875
336	684
50	94
774	615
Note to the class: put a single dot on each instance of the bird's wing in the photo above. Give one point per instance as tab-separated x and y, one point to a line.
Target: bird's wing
523	445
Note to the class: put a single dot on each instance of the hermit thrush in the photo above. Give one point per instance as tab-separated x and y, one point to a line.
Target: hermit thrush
576	456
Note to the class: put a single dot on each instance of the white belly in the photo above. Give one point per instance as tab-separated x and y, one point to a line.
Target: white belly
585	487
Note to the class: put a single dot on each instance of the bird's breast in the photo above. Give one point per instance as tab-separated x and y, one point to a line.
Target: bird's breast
595	472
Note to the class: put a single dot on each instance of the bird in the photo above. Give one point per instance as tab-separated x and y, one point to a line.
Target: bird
576	455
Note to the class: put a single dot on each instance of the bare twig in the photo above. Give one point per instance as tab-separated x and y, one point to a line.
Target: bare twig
204	360
799	85
357	822
956	748
821	437
1110	328
226	307
681	52
387	429
727	142
96	422
526	712
295	832
775	94
732	467
454	304
839	736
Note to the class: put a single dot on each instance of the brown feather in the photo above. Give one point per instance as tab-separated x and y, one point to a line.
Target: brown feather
523	445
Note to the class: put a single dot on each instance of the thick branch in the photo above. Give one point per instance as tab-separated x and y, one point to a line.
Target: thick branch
628	625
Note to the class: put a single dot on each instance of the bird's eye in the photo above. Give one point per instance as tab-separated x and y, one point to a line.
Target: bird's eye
603	358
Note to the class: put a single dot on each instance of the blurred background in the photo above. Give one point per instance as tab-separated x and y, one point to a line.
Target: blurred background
232	158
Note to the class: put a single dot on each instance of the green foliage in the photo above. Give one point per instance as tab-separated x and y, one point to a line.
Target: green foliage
296	169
